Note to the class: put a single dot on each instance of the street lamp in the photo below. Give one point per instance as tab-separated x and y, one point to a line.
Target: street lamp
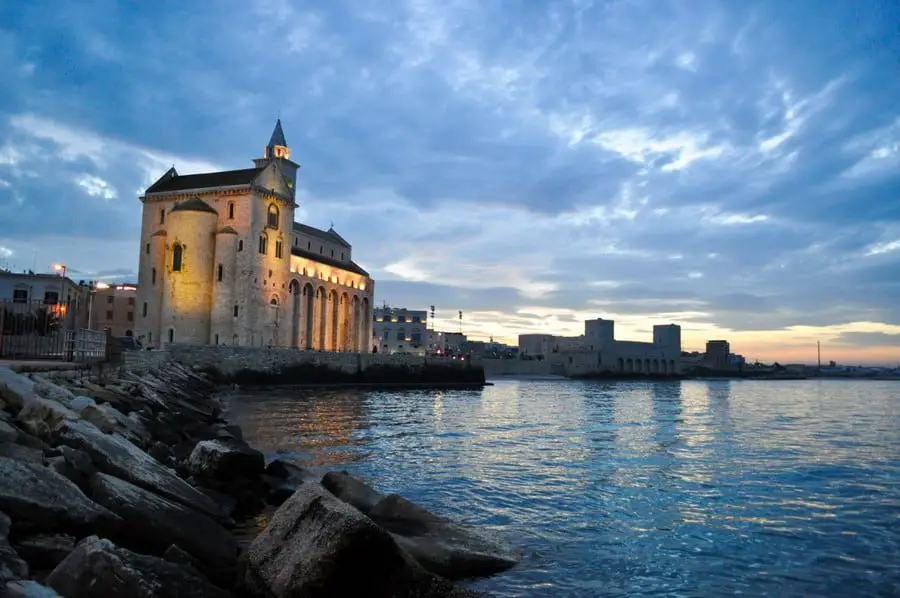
61	268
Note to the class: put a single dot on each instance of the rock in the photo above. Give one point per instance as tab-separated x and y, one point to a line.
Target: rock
31	441
109	420
48	390
40	500
99	569
27	588
154	523
283	479
317	546
162	453
45	551
351	490
41	415
79	403
224	460
11	566
7	432
114	455
15	390
174	554
441	546
21	453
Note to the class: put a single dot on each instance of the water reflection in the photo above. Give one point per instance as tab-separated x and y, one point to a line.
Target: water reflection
690	488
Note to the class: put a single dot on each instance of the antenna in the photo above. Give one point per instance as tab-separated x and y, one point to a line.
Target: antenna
460	321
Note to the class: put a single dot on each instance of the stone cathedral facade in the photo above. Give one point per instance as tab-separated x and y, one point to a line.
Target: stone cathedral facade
223	262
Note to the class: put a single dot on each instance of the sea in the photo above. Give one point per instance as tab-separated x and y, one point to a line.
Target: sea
685	488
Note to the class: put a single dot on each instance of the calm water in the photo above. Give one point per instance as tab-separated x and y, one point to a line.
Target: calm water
787	488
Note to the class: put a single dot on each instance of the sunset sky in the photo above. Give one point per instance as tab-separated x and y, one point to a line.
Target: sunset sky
733	167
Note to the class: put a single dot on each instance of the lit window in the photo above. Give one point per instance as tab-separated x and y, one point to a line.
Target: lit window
177	256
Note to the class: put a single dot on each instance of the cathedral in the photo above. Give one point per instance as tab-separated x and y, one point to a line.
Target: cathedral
223	262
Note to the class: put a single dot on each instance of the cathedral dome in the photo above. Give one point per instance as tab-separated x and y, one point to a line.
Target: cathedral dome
194	204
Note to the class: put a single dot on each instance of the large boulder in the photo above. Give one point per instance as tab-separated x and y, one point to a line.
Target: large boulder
317	546
48	390
15	389
155	523
114	455
110	420
99	569
351	490
27	588
7	432
11	566
45	551
441	546
40	500
225	459
21	452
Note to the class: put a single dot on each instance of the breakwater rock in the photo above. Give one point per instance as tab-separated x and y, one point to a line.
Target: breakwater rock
131	486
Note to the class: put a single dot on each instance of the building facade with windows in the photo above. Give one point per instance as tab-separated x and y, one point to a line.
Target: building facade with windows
113	308
60	294
223	262
399	330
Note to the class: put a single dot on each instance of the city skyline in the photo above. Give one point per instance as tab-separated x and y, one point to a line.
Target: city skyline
729	168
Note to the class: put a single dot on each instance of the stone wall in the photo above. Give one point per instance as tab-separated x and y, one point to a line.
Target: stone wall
263	365
495	368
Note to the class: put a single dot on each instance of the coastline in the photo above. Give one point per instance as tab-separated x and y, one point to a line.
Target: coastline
149	474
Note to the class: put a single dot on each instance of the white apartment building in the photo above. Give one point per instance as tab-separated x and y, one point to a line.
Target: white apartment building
400	330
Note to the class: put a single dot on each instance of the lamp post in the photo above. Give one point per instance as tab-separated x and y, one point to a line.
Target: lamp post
61	268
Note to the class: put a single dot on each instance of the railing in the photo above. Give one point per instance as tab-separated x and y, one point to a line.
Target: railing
46	331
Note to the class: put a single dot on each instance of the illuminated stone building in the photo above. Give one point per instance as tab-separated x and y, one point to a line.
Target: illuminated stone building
223	262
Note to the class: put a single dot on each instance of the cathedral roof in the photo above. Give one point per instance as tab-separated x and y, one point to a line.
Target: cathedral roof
225	178
349	266
277	136
195	204
326	235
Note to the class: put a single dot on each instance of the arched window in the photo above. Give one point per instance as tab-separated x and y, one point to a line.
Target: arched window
177	257
273	216
274	301
231	210
263	243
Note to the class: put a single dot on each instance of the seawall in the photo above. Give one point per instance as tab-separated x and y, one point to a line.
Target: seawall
229	364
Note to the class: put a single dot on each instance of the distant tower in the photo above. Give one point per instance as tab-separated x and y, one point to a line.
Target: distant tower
278	149
600	334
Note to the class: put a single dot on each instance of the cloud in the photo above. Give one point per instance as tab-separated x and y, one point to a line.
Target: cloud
95	186
733	168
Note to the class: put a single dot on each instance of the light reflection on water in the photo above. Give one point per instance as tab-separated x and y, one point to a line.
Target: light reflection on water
695	488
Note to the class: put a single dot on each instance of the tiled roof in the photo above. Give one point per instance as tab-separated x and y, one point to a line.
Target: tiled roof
226	178
326	235
328	261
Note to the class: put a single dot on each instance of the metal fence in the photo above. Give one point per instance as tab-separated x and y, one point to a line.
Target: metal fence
46	331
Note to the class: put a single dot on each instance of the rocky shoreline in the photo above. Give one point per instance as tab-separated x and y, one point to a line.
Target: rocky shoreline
132	487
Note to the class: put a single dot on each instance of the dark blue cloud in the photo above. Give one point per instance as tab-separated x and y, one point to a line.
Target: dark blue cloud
735	163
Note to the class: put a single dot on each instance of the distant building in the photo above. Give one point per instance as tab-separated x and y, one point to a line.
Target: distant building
597	351
113	309
59	294
718	355
399	330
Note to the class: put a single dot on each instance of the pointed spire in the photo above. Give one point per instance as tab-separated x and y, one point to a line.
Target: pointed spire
277	136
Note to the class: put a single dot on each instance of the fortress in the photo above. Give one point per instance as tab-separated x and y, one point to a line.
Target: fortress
223	262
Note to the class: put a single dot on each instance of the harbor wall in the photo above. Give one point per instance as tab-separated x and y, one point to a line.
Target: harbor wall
264	365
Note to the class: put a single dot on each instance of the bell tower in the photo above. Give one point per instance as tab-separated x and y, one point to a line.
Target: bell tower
278	149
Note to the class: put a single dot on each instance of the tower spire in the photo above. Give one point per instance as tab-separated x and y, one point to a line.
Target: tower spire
277	136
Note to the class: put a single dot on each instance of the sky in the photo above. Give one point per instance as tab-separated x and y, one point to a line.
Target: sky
732	167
